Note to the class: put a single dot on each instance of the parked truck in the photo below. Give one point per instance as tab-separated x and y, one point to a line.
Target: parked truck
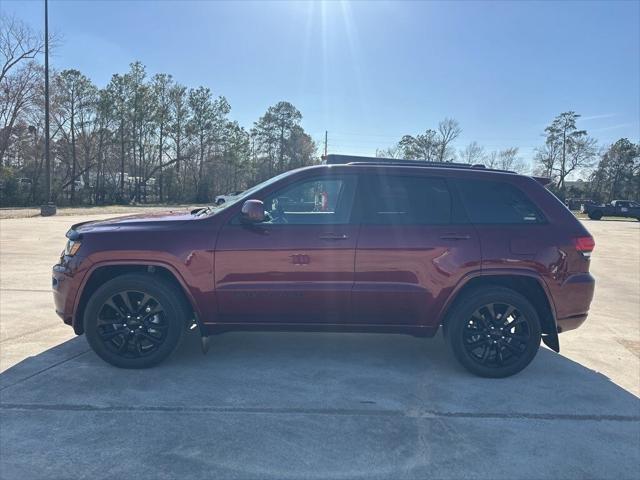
617	208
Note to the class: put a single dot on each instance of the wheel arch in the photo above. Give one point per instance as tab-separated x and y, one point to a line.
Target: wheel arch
528	284
101	273
596	214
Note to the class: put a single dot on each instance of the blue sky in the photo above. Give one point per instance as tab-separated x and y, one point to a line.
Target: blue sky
369	72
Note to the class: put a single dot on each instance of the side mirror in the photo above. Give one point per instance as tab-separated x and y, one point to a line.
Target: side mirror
253	211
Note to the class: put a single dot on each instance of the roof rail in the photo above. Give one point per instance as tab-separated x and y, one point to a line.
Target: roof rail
335	159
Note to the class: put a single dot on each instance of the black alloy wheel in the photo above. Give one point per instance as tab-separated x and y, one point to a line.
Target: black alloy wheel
493	331
496	335
136	320
132	324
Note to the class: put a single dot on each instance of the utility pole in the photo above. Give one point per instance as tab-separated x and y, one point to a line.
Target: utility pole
49	208
325	142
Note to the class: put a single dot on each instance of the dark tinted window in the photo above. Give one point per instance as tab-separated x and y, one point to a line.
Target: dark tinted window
497	202
407	200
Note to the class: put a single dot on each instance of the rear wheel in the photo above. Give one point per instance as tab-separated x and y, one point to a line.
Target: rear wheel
493	332
135	320
597	215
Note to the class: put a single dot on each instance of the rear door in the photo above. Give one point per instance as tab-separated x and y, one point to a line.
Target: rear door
296	267
413	248
513	231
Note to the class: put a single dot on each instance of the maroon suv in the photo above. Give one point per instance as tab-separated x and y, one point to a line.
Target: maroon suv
357	244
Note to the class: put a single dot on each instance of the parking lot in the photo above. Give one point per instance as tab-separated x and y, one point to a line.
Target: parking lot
294	405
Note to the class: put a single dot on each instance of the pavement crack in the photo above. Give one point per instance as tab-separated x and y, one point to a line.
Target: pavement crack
60	407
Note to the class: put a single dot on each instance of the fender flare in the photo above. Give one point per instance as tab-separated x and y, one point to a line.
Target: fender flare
549	338
144	263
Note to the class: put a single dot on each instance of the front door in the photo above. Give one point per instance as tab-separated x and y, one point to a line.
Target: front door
414	246
298	265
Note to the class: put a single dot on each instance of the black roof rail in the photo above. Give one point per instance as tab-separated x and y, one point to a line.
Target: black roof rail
335	159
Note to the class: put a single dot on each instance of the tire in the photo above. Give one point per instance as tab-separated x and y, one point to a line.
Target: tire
499	351
597	215
220	202
158	317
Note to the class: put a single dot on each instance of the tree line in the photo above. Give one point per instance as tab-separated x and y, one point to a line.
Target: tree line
146	138
140	138
437	145
610	172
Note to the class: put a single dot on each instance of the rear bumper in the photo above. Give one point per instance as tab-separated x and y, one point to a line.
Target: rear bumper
570	323
572	300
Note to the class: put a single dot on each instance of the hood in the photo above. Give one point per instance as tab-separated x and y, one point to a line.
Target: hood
142	219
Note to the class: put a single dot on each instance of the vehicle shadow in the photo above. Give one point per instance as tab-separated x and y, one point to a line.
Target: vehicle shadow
310	405
316	370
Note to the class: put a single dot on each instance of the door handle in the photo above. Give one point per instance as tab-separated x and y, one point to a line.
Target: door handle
334	236
300	259
455	236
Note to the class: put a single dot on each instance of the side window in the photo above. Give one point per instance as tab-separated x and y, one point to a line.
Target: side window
497	202
312	202
407	201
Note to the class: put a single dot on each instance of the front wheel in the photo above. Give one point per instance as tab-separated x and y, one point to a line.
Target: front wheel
493	332
135	320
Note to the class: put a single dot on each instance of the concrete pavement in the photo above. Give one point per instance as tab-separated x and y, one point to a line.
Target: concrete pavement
292	405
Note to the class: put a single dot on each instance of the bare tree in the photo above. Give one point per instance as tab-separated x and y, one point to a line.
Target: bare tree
448	130
179	115
507	158
162	84
18	94
75	97
392	152
17	43
491	159
472	153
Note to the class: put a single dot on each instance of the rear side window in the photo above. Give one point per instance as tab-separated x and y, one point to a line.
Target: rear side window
407	201
497	202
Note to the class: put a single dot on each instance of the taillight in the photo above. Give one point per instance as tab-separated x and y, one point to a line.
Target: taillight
584	245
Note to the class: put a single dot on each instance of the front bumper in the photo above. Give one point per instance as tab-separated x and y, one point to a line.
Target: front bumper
63	293
65	283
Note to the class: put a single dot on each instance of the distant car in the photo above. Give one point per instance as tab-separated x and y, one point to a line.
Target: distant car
577	203
359	244
220	199
24	183
617	208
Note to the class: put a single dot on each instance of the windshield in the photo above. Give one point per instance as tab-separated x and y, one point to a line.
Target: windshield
246	194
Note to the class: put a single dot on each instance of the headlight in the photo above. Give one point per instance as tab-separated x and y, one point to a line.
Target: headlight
72	247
